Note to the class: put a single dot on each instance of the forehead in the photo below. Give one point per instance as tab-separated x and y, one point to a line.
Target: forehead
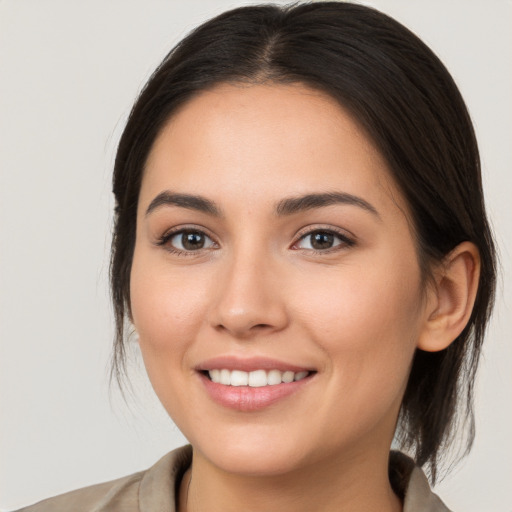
263	141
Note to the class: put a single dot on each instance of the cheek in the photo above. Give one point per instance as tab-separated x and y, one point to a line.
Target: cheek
366	317
168	308
367	324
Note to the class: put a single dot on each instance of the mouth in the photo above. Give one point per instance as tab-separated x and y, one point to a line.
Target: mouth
253	384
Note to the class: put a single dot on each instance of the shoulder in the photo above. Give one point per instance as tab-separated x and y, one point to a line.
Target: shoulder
410	483
94	498
153	489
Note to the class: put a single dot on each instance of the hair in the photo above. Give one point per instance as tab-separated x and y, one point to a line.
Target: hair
408	104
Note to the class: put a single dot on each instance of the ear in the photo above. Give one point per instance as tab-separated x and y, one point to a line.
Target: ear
451	298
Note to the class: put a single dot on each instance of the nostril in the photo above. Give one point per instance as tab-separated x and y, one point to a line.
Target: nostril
243	328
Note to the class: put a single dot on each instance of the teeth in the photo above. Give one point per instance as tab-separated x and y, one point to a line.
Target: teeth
255	379
274	377
225	377
288	376
300	375
239	378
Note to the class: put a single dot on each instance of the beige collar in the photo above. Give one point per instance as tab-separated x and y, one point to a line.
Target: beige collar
408	480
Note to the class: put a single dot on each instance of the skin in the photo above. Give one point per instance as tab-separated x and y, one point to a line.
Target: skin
355	313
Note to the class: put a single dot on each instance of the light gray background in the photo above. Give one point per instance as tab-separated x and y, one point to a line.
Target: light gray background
69	72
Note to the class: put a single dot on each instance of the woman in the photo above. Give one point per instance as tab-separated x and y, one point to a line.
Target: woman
302	248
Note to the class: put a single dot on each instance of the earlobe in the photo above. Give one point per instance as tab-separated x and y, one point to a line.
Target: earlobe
451	300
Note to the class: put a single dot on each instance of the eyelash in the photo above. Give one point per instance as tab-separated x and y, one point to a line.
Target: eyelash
345	241
164	240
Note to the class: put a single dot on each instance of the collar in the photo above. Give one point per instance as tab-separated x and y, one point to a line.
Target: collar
160	484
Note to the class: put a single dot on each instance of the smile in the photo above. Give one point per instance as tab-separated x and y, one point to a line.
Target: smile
256	378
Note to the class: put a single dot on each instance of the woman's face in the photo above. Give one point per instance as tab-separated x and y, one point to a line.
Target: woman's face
272	245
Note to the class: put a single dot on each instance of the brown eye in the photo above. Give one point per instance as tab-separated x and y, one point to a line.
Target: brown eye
323	240
189	240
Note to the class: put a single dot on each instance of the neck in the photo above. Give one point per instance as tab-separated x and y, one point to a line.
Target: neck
353	485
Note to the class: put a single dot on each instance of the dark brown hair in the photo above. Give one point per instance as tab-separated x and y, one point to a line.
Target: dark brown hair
409	105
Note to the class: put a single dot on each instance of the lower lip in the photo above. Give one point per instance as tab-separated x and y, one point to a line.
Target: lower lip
246	398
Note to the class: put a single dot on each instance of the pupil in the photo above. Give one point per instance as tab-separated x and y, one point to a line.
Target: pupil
192	241
322	240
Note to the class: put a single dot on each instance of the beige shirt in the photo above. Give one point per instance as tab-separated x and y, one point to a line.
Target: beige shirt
155	489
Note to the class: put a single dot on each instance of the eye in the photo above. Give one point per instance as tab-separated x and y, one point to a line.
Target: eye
186	240
322	240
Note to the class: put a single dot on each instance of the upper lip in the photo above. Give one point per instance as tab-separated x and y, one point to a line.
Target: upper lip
249	364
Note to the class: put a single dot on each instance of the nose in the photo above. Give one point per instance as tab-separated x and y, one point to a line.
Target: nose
249	299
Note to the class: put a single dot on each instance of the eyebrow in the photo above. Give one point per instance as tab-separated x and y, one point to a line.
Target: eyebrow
285	207
297	204
189	201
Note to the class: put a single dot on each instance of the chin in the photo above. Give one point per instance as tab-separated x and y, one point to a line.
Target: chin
250	462
253	455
